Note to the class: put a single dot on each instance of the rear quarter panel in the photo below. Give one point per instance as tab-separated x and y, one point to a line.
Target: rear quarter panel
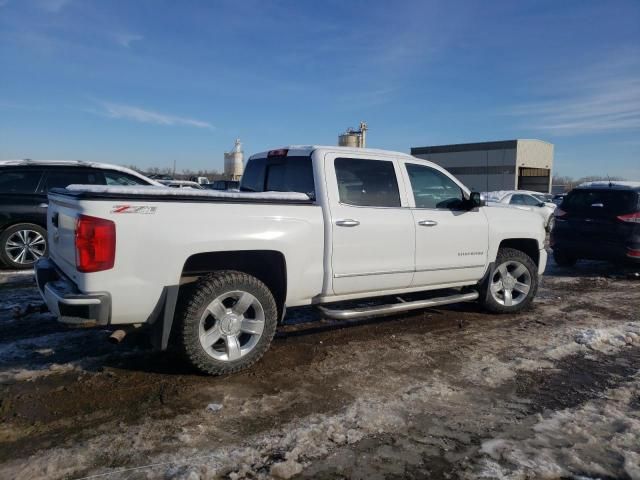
152	248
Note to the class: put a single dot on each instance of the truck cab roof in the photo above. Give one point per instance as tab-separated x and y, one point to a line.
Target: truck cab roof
305	150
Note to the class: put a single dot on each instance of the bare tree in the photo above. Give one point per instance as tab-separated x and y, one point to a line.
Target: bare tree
570	182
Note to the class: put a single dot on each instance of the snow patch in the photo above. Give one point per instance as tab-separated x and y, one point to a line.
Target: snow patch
599	439
607	340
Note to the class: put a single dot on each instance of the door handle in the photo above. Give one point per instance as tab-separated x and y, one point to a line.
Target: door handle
427	223
347	223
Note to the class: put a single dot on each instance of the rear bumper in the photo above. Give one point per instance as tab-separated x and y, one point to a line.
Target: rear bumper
616	252
65	300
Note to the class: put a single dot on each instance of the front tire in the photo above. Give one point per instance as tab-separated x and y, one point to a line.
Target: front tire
228	322
22	245
512	283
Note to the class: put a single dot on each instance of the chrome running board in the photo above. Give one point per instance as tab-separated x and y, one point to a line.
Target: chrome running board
402	306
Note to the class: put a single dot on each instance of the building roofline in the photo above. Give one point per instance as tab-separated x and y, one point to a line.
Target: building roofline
469	147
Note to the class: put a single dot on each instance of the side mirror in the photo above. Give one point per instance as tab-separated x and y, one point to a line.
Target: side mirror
477	200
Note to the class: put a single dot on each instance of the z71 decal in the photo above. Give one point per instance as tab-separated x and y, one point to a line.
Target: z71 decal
144	209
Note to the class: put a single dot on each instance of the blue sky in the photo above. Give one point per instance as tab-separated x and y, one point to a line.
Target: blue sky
147	82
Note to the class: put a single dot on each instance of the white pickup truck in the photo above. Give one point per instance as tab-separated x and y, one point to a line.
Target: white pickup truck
213	272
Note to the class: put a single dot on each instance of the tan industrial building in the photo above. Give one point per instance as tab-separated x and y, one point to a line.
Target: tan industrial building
501	165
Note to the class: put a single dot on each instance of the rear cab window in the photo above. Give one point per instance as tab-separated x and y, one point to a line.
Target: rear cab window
19	180
279	174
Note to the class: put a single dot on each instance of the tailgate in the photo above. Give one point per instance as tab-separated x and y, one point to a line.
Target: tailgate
61	228
594	215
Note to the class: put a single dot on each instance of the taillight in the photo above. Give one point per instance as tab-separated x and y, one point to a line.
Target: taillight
559	213
633	253
95	244
631	217
281	152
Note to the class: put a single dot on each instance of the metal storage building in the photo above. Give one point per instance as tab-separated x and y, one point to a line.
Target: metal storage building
501	165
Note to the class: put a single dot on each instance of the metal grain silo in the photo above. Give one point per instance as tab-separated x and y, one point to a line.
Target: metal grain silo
234	162
354	138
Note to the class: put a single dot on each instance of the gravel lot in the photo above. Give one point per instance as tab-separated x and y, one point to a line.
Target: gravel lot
453	392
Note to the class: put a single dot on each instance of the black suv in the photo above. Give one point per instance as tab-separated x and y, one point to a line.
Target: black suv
600	221
23	201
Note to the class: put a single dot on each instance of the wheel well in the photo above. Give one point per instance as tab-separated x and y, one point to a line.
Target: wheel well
525	245
268	266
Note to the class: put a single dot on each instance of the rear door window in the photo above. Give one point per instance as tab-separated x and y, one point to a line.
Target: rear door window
19	180
61	178
367	183
279	174
600	202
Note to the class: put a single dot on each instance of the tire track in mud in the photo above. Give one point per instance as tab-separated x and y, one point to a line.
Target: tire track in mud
440	445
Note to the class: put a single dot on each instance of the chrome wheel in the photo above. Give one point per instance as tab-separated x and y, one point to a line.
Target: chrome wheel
25	247
511	283
231	325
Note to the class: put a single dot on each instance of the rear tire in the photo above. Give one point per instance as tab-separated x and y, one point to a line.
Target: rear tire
21	245
563	259
511	284
228	322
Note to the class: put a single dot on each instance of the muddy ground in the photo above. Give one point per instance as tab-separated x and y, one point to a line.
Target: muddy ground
445	393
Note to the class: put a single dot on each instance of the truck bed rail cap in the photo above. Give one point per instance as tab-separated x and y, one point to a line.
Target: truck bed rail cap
186	192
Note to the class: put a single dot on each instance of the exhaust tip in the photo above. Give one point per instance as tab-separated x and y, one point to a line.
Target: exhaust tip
117	336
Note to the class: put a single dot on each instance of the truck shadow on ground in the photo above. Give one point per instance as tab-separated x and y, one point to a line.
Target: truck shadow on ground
305	330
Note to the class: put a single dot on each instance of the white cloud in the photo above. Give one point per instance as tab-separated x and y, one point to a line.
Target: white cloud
603	98
126	39
137	114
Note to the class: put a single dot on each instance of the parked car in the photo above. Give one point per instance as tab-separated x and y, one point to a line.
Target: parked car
223	185
558	198
23	201
310	226
525	200
181	184
200	180
598	220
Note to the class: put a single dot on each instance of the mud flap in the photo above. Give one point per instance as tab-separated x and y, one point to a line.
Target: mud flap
162	317
483	285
